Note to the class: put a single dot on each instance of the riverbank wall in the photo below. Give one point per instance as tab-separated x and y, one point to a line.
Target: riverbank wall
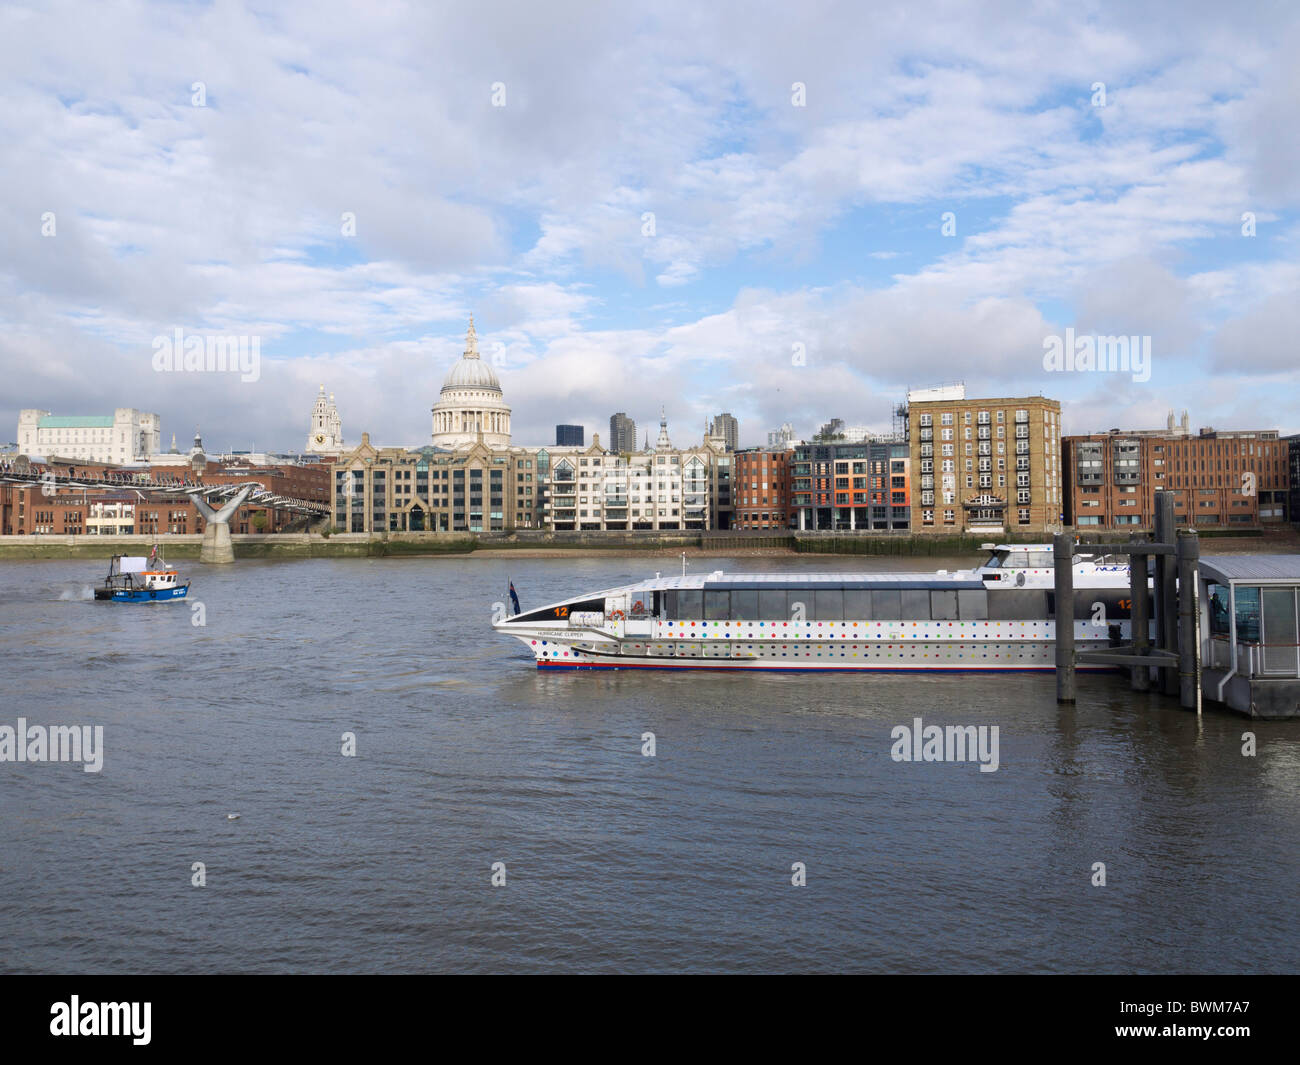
182	547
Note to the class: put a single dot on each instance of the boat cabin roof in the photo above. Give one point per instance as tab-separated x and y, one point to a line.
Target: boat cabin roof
719	581
1246	569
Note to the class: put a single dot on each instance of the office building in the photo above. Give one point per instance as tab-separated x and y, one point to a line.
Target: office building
1230	479
727	428
622	434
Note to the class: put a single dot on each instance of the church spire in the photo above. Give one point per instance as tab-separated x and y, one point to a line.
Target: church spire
663	443
471	341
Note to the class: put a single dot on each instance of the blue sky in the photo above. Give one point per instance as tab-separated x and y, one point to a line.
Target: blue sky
775	224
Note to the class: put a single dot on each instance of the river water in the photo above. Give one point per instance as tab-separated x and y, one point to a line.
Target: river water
466	756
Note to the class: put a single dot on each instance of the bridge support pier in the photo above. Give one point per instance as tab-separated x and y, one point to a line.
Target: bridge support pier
217	546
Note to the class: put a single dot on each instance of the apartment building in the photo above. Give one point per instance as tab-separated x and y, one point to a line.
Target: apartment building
984	466
851	486
429	489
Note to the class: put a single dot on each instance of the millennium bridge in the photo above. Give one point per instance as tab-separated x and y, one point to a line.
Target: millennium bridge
216	502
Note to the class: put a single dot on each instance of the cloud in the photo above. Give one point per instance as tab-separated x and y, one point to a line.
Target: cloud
769	217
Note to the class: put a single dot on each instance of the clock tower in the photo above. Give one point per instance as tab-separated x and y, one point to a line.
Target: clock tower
325	432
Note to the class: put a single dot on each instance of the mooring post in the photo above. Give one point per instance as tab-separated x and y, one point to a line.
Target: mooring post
1063	560
1140	618
1189	678
1166	588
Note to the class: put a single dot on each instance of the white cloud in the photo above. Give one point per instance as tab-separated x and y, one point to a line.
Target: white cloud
227	217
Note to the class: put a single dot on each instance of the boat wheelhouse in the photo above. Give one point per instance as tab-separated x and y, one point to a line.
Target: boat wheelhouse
140	579
999	616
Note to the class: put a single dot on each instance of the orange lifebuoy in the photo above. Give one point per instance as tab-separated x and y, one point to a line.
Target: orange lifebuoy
616	614
638	607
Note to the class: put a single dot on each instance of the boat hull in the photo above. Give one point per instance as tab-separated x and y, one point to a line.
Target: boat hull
141	595
768	667
865	647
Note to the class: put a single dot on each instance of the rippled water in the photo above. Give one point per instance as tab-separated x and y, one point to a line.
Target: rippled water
614	861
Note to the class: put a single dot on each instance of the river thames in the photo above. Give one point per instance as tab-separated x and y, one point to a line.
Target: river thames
466	756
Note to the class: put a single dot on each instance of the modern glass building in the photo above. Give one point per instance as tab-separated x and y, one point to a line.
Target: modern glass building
851	487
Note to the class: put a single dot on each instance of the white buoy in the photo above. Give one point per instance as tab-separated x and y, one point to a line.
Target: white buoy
232	817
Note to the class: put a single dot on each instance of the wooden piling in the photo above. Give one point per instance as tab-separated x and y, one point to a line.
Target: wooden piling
1063	561
1166	589
1140	618
1189	666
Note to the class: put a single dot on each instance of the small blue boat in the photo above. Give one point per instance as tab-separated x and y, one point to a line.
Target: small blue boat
137	579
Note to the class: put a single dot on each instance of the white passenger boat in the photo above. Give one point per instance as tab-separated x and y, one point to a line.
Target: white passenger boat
999	616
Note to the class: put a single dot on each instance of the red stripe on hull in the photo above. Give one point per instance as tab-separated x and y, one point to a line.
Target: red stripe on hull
558	666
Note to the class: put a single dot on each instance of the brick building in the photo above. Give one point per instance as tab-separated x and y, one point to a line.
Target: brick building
118	508
761	489
1228	479
1293	473
984	466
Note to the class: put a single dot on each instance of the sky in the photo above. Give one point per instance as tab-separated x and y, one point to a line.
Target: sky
790	212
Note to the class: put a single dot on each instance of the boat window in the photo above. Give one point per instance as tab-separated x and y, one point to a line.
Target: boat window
886	605
744	605
717	606
1217	597
994	561
562	612
973	604
828	604
771	604
1279	631
916	604
1018	560
857	604
1041	559
1017	604
690	604
943	605
1247	600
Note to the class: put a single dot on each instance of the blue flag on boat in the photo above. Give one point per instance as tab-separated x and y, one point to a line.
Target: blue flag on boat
514	599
